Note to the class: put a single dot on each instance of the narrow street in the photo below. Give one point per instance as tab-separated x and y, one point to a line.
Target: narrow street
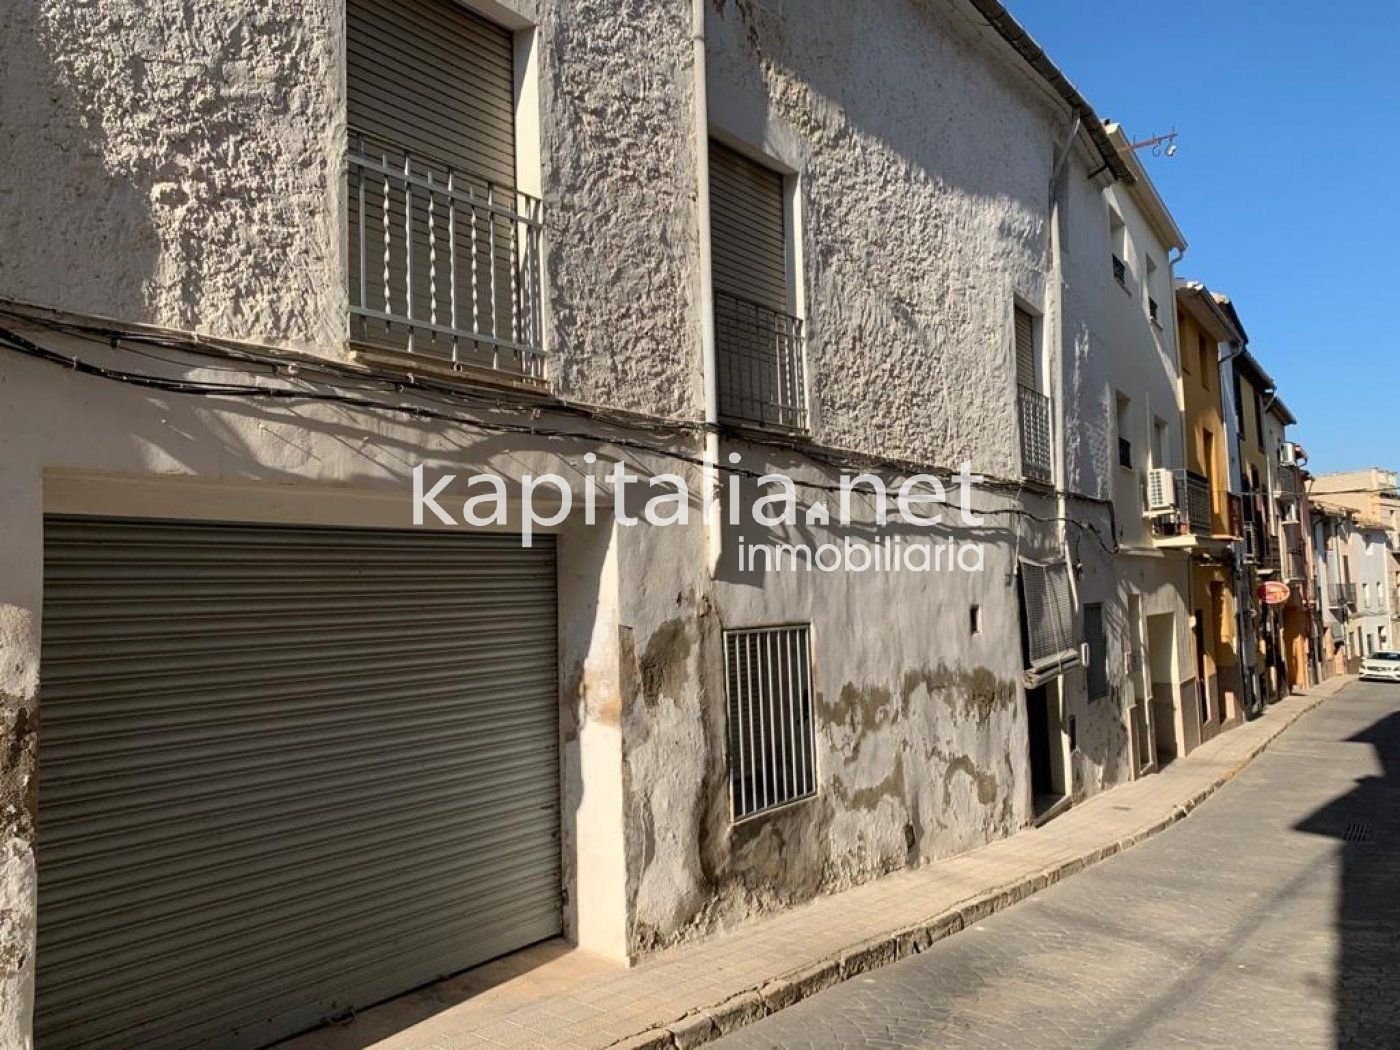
1270	917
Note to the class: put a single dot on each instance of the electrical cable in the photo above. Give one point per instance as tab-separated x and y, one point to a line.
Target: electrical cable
19	344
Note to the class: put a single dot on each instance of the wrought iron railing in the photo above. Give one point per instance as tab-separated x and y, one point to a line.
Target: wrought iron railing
759	356
1343	596
442	263
1033	415
1193	496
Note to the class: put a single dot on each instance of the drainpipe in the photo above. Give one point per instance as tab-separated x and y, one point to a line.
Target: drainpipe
710	484
1056	366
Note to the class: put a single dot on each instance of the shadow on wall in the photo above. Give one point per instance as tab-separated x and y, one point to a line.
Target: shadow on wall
77	225
176	167
1367	821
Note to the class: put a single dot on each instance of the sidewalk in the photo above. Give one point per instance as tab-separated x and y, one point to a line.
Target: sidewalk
553	996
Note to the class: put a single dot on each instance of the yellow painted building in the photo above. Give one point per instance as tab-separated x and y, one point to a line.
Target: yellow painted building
1207	333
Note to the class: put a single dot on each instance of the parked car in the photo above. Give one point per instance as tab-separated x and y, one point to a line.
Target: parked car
1382	665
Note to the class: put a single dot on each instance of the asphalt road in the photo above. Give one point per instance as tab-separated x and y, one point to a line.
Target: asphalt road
1269	918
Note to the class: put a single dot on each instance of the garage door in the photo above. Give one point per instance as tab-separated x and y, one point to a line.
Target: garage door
285	773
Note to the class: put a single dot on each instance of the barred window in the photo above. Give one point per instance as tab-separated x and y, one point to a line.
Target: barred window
772	743
1047	610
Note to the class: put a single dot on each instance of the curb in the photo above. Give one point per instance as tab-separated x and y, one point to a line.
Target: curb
708	1023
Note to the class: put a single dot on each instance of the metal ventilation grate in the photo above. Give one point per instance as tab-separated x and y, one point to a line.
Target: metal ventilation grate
1358	831
772	744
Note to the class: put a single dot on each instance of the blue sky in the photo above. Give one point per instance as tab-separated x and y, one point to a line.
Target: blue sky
1286	181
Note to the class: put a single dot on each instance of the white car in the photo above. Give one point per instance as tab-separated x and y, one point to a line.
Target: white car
1384	664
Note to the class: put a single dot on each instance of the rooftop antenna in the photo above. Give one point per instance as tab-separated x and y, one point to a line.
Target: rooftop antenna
1160	144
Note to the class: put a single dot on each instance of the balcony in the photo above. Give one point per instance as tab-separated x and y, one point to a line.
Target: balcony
1193	497
1343	596
443	264
760	362
1033	416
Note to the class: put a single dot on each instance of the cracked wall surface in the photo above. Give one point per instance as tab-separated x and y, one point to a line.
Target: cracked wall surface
187	174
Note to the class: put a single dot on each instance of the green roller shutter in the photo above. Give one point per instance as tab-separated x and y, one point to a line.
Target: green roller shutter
285	773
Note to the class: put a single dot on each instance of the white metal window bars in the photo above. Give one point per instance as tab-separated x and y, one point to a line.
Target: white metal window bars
443	263
760	363
1033	419
772	741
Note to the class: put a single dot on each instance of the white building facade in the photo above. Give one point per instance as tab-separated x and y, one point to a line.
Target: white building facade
257	292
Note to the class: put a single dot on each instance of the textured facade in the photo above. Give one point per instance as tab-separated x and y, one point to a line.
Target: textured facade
190	188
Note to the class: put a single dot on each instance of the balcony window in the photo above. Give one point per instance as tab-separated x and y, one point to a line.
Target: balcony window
1193	494
1032	406
758	337
444	249
1118	240
1150	279
1047	615
1123	417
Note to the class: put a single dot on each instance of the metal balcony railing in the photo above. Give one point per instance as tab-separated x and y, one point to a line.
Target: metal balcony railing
1343	596
1033	415
1193	497
760	361
442	263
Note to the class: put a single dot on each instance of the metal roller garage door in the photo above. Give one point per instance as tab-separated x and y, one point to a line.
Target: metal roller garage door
285	773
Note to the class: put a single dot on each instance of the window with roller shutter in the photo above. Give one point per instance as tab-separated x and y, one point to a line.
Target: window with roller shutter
444	250
1032	403
1047	611
758	340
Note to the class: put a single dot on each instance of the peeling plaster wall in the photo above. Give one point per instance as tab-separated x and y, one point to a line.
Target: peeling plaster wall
145	454
920	724
1084	373
923	163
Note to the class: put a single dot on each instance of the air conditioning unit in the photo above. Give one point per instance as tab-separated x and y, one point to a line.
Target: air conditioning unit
1288	454
1161	490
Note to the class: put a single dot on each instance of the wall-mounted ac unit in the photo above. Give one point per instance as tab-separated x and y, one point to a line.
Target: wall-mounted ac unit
1288	454
1161	490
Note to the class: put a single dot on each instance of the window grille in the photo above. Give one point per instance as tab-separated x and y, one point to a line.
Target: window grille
772	741
1033	419
1047	607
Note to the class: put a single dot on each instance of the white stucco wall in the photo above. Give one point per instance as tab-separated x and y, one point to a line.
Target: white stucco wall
924	201
202	192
